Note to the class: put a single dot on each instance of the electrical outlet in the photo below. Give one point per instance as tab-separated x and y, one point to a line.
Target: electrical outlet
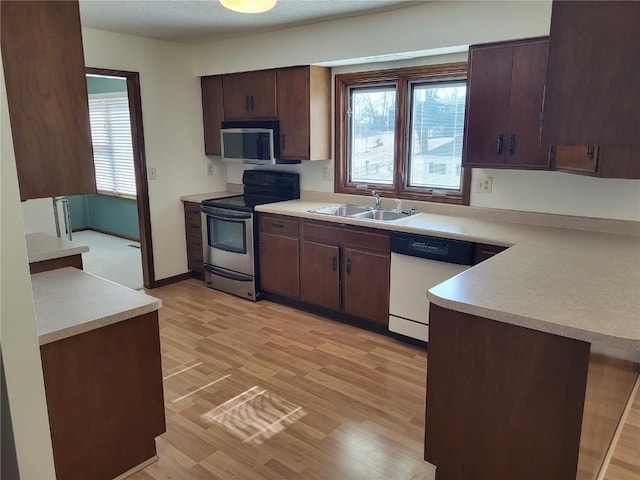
209	168
151	173
327	174
485	184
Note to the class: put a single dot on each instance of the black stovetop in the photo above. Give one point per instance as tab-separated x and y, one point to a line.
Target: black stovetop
260	187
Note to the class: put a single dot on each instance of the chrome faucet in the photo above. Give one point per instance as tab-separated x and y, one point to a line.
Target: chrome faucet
377	197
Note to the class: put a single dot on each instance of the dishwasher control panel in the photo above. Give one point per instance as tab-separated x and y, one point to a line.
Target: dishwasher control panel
433	248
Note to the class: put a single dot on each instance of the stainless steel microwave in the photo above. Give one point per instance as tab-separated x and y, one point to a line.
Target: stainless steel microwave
255	142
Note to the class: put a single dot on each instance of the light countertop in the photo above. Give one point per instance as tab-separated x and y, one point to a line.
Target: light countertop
69	302
42	247
578	284
200	197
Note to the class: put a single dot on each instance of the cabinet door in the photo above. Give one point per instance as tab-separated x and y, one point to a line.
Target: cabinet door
47	98
293	112
193	233
279	264
522	144
592	93
577	159
321	274
619	162
366	285
487	107
250	95
212	113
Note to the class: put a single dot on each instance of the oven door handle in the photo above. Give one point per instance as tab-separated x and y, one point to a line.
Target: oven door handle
225	214
227	274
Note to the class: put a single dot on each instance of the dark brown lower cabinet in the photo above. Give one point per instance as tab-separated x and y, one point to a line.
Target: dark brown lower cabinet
321	274
105	398
279	255
193	232
346	269
55	263
366	285
279	264
506	402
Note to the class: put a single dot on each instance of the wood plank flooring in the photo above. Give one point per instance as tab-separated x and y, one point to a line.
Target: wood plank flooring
263	391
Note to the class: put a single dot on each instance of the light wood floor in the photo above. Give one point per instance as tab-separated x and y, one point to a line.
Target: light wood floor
263	391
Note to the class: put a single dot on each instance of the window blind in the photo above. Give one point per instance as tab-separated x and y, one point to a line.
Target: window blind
112	146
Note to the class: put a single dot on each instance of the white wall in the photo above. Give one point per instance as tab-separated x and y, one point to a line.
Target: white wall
429	27
20	348
173	132
559	192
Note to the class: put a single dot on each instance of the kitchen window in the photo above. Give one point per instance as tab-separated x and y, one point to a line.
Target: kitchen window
112	144
400	132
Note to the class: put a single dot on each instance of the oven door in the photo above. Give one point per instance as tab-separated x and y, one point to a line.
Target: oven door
228	239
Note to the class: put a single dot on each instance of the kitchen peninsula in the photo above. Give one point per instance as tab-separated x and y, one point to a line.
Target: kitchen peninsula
100	351
533	354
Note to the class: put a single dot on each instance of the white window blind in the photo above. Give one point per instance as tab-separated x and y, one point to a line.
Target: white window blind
112	147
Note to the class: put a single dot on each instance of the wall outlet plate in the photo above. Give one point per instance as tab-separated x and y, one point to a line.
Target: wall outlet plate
485	185
327	174
209	168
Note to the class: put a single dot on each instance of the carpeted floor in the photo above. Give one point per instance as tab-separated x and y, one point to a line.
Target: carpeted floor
113	258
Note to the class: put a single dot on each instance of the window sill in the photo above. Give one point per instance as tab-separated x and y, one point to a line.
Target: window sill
118	195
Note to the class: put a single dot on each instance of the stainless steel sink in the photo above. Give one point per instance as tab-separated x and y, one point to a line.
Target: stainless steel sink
342	210
384	215
361	212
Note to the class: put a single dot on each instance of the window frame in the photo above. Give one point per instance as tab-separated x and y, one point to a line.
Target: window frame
108	96
403	78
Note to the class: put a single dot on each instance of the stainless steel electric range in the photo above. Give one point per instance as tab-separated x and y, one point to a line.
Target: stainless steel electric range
229	231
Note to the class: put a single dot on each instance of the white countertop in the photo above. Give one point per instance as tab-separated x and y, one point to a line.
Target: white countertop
578	284
200	197
42	247
69	301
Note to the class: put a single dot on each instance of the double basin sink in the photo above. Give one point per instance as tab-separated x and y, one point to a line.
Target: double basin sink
364	213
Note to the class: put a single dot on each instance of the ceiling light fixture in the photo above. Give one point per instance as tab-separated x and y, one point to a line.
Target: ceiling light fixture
249	6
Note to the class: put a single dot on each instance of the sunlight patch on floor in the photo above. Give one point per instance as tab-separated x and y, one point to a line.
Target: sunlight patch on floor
255	415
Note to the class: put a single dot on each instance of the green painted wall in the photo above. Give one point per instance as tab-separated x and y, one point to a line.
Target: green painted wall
79	210
106	213
106	85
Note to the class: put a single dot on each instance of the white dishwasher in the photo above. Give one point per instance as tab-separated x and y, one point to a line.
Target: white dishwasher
418	263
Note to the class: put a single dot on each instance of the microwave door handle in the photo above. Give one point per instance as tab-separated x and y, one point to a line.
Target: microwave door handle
259	145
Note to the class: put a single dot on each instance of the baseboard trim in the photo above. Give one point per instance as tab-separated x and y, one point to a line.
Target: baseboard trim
169	280
99	230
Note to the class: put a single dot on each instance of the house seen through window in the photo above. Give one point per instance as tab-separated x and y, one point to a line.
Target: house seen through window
400	131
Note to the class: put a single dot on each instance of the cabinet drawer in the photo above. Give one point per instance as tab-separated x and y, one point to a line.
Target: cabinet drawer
278	225
194	247
195	264
192	211
334	234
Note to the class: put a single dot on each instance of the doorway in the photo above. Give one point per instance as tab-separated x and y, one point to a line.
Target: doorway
117	218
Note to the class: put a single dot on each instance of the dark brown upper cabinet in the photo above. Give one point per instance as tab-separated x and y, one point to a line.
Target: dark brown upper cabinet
46	87
299	97
304	106
212	113
504	103
592	94
250	95
604	162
